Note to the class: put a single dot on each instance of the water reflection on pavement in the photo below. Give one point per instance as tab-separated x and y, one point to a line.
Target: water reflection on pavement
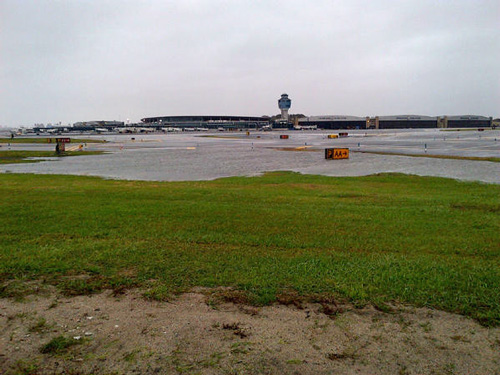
194	156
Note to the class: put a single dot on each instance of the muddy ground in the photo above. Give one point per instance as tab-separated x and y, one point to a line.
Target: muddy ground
191	335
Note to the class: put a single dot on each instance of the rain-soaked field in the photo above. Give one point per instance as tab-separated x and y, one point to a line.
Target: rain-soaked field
203	156
381	274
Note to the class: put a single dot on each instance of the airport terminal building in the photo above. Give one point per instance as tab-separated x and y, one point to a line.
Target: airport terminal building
333	122
207	122
283	121
318	122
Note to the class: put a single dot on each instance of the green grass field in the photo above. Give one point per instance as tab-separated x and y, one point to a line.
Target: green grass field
386	238
20	156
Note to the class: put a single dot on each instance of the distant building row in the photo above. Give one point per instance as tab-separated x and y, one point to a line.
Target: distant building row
323	122
264	122
396	122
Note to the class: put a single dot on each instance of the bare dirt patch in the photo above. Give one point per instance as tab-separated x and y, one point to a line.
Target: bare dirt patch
127	334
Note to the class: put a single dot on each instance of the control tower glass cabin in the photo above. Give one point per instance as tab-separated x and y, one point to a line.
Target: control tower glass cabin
284	104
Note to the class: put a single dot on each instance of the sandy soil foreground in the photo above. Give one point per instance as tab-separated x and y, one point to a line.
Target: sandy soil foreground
131	335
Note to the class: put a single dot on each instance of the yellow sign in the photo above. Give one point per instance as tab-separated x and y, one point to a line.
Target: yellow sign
332	136
336	153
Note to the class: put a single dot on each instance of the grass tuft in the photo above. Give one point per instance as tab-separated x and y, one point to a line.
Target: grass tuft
59	345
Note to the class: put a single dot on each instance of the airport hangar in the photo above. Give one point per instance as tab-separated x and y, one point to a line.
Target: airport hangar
396	122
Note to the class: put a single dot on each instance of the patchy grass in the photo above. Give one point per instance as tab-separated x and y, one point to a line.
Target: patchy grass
59	345
161	293
19	289
279	237
18	156
40	326
26	367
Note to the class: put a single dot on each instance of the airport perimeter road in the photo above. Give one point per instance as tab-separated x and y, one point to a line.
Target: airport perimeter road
199	156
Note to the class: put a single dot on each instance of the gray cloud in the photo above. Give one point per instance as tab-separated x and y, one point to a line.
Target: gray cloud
78	60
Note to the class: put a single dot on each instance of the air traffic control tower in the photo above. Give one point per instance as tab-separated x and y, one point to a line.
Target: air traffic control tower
284	103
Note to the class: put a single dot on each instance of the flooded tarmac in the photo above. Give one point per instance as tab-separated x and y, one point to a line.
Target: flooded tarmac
203	156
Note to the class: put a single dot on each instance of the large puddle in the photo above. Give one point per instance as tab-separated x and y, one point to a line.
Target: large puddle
191	156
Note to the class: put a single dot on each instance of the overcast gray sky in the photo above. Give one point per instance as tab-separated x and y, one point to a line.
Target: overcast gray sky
77	60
